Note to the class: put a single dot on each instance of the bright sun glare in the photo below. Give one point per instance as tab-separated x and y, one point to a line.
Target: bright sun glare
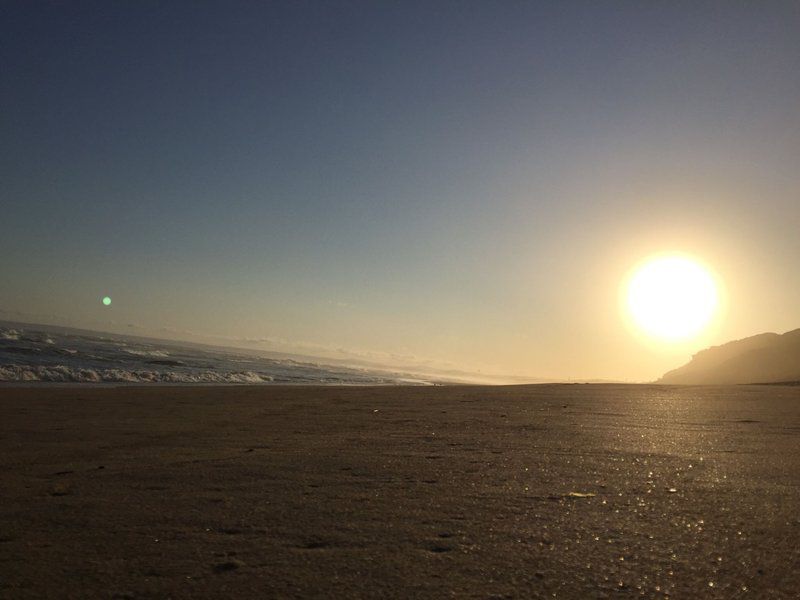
672	298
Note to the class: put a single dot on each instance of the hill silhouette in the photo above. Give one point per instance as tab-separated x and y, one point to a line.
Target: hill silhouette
763	358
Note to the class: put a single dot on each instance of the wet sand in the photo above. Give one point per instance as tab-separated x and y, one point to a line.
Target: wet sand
573	491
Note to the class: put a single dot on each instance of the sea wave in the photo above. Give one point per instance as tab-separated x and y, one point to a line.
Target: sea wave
44	355
64	374
147	353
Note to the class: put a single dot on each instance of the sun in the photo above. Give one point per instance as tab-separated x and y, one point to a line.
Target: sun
672	297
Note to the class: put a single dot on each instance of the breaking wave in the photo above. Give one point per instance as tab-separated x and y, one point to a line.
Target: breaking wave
40	353
147	353
64	374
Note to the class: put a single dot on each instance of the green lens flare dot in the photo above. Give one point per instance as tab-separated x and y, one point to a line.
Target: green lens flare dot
107	301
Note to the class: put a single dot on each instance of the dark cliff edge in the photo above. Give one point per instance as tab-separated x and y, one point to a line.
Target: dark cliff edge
763	358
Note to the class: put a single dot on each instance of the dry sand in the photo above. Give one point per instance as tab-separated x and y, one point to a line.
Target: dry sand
304	492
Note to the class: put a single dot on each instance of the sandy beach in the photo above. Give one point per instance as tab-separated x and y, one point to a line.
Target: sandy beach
573	491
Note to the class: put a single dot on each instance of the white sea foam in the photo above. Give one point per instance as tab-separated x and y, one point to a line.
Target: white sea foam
9	334
63	374
147	353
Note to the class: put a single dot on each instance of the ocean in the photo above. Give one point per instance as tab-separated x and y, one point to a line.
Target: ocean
39	353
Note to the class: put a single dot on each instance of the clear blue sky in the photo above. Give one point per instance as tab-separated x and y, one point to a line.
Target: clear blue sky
458	183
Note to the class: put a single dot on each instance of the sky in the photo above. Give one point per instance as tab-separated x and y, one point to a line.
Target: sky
449	184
